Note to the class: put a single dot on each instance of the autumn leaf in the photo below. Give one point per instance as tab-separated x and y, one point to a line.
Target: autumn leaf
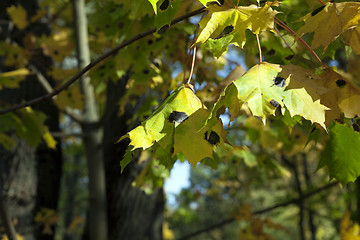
349	230
18	15
196	141
341	154
352	38
222	26
342	96
333	20
13	78
174	110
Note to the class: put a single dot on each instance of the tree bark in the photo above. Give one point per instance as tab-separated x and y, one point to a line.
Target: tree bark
30	176
92	132
132	214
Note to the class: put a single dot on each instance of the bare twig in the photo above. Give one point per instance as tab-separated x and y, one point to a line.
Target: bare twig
287	28
282	37
48	88
261	211
95	62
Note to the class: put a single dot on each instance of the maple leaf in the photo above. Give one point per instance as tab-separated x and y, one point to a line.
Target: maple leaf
342	96
196	141
181	102
333	20
352	38
228	25
341	154
264	91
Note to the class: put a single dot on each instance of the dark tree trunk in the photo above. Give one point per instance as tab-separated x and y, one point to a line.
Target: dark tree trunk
132	214
30	176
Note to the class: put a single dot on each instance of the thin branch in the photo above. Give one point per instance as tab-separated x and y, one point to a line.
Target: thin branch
287	28
261	211
97	61
48	88
258	43
321	2
192	65
282	37
67	135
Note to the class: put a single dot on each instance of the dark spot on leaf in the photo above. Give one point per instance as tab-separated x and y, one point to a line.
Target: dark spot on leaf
97	28
150	41
226	31
16	56
177	117
279	81
164	5
289	57
340	83
271	52
101	74
172	150
146	71
316	11
56	52
120	25
274	103
107	26
297	136
213	138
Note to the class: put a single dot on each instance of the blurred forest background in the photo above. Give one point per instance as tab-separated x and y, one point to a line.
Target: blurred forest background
60	169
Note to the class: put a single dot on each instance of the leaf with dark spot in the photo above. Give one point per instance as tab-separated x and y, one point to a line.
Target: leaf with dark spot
274	103
177	117
271	52
279	81
340	83
164	5
289	57
316	11
146	71
213	138
225	32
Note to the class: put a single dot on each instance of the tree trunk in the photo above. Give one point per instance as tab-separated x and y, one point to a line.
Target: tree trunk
132	214
92	131
30	176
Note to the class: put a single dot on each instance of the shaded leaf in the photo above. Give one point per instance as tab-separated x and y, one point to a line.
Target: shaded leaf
18	15
341	154
333	20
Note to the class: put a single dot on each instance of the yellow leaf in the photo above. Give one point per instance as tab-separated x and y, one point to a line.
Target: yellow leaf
348	229
18	236
13	78
71	97
330	22
18	16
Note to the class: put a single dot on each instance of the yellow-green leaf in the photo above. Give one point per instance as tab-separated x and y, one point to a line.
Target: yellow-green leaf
226	26
176	108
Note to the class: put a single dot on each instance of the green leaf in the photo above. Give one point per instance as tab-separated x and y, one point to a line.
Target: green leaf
181	102
164	16
126	160
231	25
341	154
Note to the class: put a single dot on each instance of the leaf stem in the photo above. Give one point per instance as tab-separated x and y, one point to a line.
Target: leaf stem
95	62
258	43
282	37
287	28
192	65
321	2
